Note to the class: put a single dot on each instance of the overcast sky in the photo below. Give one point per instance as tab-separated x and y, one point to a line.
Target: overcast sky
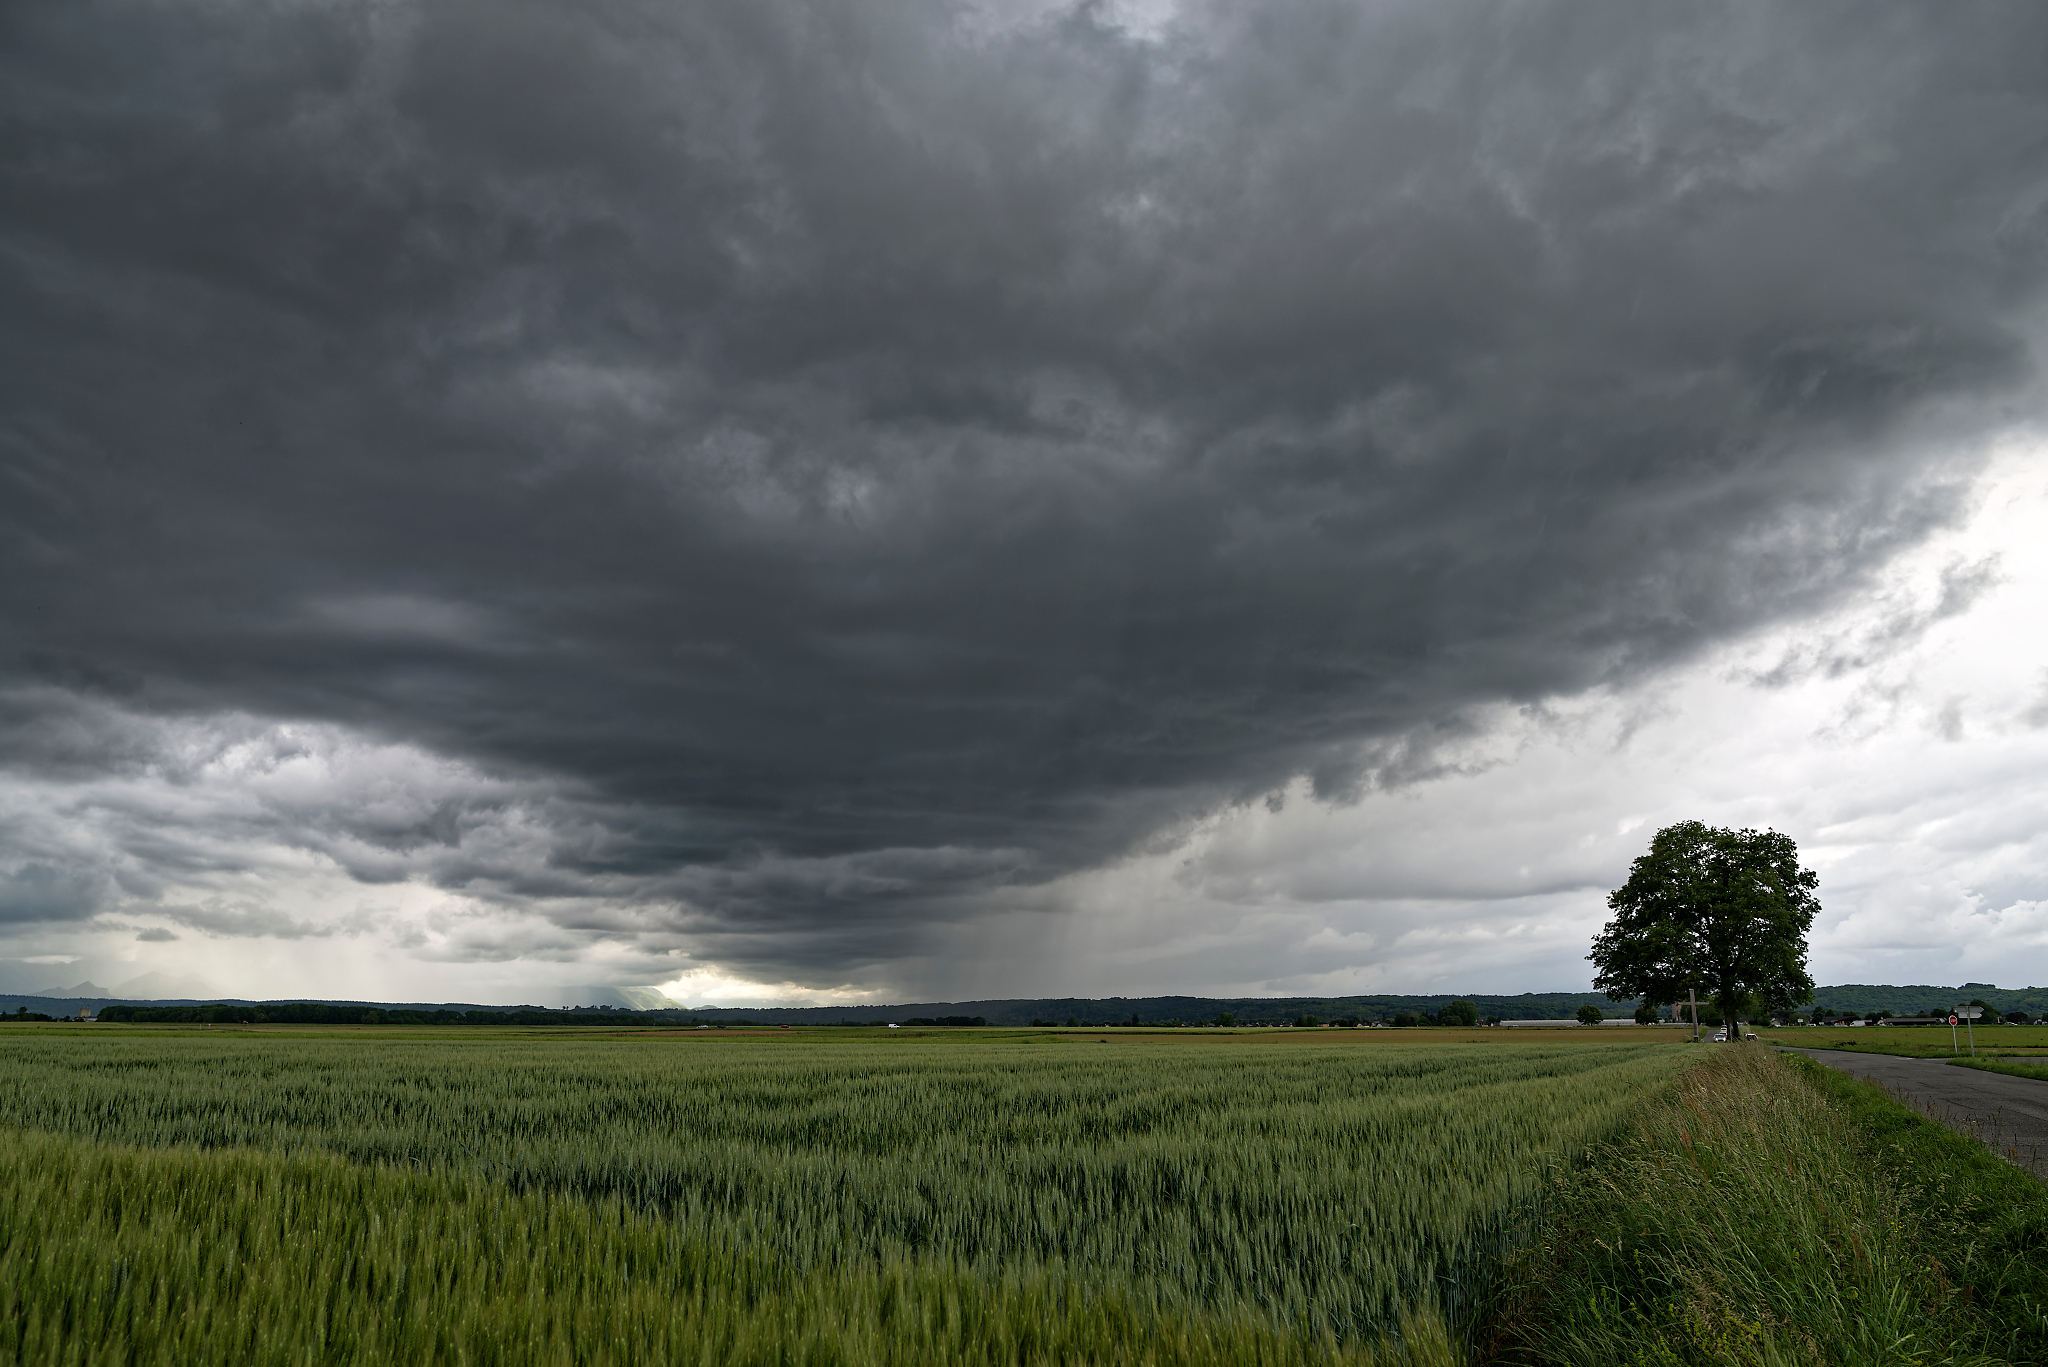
882	499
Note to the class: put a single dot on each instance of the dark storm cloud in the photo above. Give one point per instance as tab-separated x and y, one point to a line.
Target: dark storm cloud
862	455
44	892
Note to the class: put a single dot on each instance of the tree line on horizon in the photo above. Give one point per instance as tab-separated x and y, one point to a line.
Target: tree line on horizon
323	1013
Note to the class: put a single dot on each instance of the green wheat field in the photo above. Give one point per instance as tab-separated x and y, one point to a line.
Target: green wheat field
798	1197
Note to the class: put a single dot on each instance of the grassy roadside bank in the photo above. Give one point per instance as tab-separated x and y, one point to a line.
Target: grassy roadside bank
1994	1215
1775	1211
2009	1066
2020	1041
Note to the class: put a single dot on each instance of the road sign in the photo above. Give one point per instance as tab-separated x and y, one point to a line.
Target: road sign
1951	1020
1969	1013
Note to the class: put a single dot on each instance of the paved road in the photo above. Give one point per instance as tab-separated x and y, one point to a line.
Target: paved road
2008	1113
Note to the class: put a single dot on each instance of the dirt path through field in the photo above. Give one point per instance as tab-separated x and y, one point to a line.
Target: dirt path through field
2010	1114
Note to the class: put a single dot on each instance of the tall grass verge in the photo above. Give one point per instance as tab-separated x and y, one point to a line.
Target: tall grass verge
1990	1217
2036	1068
1743	1222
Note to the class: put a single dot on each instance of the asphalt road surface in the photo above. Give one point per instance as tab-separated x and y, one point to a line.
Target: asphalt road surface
2010	1114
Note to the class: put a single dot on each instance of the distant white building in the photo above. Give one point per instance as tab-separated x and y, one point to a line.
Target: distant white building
1560	1025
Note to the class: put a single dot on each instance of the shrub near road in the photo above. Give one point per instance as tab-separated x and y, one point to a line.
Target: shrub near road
1312	1193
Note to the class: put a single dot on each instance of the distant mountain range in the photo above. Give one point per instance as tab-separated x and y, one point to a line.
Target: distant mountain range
1851	997
148	987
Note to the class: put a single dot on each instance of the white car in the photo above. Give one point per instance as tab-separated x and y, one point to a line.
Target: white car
1718	1037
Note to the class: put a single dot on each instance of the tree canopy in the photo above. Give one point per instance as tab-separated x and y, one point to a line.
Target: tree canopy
1722	911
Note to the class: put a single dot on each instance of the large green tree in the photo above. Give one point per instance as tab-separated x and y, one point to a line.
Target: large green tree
1718	911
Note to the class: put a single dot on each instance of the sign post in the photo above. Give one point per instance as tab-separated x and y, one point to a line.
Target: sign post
1969	1015
1952	1045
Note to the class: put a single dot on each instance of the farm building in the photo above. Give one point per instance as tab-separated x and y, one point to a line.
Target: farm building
1561	1025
